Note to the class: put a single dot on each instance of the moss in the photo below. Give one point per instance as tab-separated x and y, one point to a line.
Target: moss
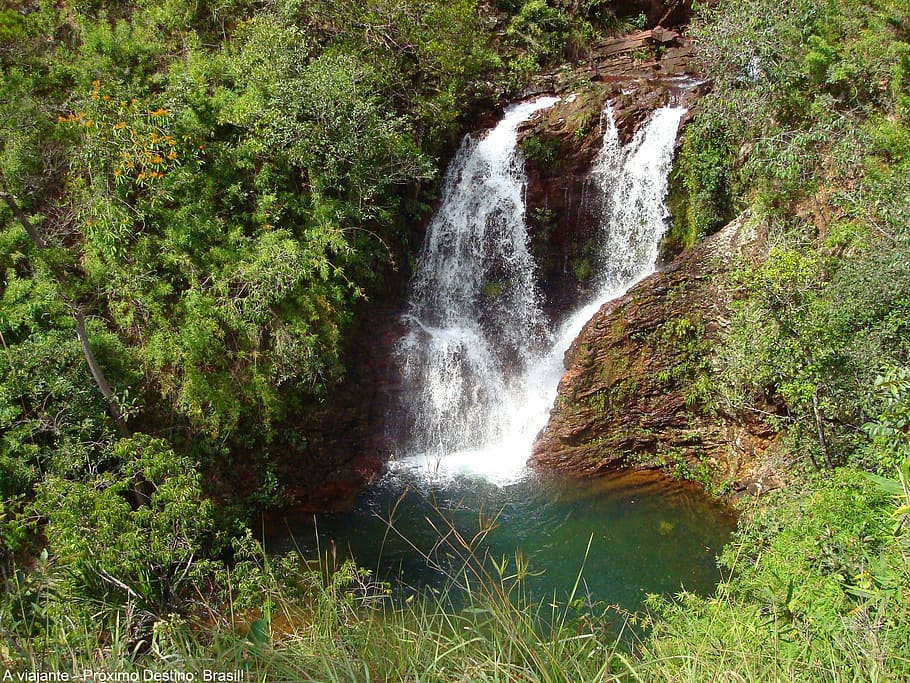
598	402
682	233
581	268
491	290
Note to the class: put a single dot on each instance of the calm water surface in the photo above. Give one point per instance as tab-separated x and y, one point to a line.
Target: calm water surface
647	534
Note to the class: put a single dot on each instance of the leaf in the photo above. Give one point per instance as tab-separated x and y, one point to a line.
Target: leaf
258	634
890	486
901	511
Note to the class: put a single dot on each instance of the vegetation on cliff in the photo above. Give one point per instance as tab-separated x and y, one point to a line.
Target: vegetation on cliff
805	133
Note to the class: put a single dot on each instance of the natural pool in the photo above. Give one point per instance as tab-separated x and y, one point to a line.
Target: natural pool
647	533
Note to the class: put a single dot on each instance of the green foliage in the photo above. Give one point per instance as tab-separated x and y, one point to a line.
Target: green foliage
705	167
787	86
130	534
12	26
818	588
800	132
891	431
223	206
428	52
672	461
52	417
542	29
542	150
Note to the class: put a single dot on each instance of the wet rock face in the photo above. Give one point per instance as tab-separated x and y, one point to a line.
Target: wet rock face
332	448
635	392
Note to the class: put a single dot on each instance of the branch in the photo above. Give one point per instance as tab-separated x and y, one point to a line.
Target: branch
113	406
821	430
22	218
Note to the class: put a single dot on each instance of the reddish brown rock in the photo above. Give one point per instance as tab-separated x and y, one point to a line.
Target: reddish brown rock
633	393
340	443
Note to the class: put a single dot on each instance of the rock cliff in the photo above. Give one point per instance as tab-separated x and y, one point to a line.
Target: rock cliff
637	389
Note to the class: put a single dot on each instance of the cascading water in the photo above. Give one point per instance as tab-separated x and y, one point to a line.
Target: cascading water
630	184
633	185
475	320
483	371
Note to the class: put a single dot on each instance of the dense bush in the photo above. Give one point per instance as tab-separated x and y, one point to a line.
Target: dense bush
802	133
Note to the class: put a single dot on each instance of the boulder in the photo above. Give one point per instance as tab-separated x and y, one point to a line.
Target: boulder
636	389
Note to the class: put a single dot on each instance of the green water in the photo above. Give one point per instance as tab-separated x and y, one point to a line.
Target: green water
647	534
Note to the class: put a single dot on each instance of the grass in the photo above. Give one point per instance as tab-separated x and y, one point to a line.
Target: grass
492	639
355	634
761	625
342	626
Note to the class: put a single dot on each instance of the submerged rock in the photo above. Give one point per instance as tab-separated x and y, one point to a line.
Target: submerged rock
636	392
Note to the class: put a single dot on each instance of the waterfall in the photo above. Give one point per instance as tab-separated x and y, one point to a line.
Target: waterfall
632	183
479	366
475	319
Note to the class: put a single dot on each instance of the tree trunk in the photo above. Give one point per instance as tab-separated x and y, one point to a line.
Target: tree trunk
821	431
113	406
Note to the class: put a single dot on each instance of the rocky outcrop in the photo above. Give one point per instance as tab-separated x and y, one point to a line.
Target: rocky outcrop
637	74
636	392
